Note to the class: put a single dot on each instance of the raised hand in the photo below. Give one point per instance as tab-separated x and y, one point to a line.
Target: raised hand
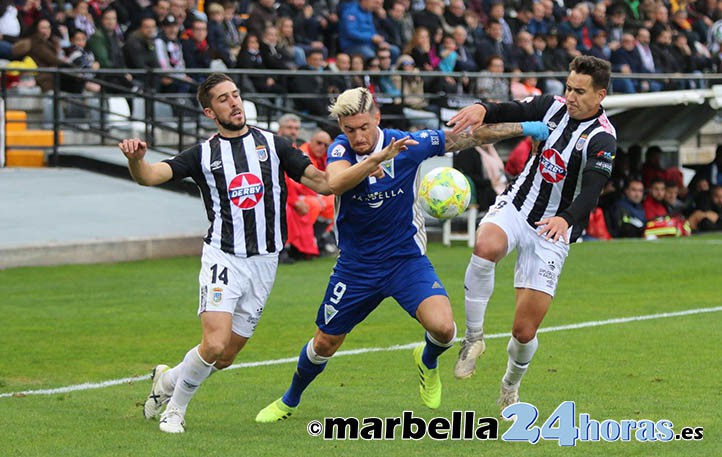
394	148
471	116
133	148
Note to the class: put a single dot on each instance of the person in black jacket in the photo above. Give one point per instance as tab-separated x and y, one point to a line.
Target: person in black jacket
139	49
250	58
307	84
196	51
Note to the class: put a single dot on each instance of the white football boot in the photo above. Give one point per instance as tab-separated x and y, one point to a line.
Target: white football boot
466	362
157	397
172	421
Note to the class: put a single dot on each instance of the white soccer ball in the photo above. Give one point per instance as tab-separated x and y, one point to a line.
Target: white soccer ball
444	193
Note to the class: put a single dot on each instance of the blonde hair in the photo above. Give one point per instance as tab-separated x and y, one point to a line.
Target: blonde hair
215	8
353	101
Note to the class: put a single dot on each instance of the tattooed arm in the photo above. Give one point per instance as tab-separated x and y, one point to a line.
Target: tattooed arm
491	133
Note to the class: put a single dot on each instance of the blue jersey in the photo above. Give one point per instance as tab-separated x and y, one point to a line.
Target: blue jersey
379	219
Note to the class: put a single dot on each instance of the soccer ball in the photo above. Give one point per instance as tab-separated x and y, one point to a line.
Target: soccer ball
444	193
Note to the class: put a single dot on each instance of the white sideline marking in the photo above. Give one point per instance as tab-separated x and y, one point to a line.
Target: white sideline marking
115	382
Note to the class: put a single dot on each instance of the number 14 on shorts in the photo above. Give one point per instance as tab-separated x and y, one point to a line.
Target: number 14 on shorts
566	428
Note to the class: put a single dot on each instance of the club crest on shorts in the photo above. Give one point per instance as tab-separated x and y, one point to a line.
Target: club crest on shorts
552	166
216	295
328	313
245	190
262	153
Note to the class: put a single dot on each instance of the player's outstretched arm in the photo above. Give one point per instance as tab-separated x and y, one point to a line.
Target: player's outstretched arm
491	133
316	179
144	173
343	176
470	116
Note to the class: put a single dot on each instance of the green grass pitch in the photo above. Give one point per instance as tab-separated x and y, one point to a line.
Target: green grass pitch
70	325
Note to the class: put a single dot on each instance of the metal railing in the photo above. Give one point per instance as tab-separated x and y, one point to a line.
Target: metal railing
172	122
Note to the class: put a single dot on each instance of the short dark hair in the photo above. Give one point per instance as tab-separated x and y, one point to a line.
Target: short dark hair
600	70
632	179
657	180
204	90
669	183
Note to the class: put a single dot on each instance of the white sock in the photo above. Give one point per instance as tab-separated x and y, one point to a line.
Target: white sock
313	356
193	371
478	286
519	357
170	377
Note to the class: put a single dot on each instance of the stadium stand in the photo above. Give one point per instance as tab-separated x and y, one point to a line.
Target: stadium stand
71	129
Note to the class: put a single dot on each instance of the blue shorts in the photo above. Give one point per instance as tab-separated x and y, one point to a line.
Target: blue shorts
355	289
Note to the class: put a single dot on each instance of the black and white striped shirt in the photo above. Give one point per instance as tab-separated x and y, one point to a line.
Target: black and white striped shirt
243	188
552	177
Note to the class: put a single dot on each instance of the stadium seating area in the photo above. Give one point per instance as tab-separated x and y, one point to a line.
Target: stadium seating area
420	58
640	39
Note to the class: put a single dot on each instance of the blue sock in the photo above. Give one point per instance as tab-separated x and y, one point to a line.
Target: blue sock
306	372
433	350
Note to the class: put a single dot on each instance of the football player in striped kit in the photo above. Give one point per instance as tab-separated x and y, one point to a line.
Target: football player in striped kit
541	213
240	174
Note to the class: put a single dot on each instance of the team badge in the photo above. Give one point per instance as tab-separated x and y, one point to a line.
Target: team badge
262	153
216	295
329	312
388	167
245	190
580	142
552	166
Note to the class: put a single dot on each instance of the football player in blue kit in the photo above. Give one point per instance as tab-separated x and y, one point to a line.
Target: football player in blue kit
382	240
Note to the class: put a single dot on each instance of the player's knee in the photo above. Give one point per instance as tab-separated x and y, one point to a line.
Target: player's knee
445	333
326	345
523	333
492	252
212	349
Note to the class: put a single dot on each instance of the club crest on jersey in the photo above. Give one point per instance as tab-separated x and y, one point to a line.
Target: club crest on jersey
552	166
245	190
580	142
388	167
262	153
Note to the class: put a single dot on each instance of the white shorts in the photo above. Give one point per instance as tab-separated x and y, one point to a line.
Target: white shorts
236	285
539	261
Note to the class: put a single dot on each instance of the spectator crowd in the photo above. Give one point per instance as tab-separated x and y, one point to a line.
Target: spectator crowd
388	42
397	36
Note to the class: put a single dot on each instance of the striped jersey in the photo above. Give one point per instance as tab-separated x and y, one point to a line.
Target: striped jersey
552	177
379	219
243	188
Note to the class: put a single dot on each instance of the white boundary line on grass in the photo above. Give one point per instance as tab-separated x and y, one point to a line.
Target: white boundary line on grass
115	382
